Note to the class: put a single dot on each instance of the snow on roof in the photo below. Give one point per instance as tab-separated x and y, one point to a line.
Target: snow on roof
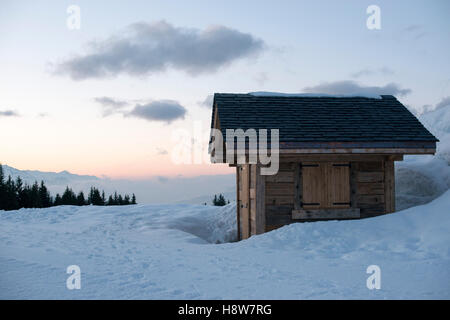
319	95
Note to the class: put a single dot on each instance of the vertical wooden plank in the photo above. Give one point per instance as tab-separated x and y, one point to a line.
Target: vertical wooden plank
338	184
389	186
245	217
252	202
238	202
297	186
260	218
353	184
314	185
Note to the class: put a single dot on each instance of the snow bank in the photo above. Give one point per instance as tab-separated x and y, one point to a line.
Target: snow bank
420	179
212	224
168	252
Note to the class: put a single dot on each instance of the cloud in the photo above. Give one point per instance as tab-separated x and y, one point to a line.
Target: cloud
8	113
145	48
348	87
369	72
417	31
110	105
160	110
443	103
110	102
208	102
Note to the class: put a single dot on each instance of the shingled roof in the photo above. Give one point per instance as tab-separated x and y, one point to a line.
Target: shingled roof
317	121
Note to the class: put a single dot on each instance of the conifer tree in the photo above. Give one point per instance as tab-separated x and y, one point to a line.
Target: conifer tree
80	199
58	200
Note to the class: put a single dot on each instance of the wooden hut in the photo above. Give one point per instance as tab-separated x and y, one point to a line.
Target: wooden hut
336	156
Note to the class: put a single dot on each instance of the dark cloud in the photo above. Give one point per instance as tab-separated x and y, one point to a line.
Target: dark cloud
443	103
8	113
147	48
348	87
369	72
110	105
161	110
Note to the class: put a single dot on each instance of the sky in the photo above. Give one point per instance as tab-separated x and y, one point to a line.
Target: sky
113	97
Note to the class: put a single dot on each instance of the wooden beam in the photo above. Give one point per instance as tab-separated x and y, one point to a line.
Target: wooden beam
389	186
238	202
353	184
245	202
360	151
298	187
304	214
278	220
339	157
300	157
252	200
260	185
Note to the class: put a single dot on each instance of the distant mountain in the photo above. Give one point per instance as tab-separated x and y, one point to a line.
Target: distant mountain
62	178
193	190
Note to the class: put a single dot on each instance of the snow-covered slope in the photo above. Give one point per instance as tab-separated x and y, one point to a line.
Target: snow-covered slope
438	123
169	251
62	178
420	179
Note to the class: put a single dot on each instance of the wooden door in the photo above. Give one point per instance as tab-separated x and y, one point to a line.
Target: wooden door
313	185
338	184
325	185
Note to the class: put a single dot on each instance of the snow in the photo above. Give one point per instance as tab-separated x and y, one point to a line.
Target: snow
182	251
437	122
420	179
171	252
316	95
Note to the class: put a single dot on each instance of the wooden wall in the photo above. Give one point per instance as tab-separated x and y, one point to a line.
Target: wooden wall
279	200
266	202
250	200
371	190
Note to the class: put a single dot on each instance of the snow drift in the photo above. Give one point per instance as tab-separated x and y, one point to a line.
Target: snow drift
169	252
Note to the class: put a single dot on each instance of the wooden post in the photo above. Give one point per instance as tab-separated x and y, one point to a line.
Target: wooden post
389	186
252	202
353	185
245	195
260	197
297	186
238	202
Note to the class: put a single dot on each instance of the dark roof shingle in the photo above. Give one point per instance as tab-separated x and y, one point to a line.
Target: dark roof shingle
322	119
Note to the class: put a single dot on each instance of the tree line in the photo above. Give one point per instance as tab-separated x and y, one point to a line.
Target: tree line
220	200
15	194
